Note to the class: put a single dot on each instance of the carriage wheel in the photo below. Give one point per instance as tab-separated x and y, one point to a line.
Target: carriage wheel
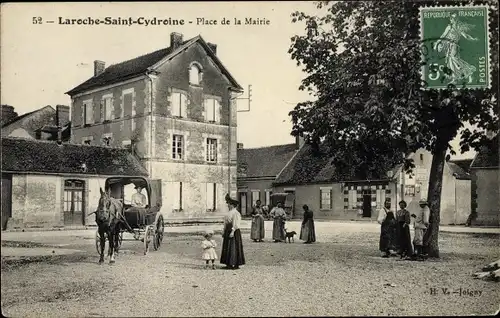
147	238
160	229
98	242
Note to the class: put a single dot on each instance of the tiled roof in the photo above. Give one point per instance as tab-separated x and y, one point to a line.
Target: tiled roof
487	155
463	163
458	172
122	71
140	65
310	167
23	155
265	161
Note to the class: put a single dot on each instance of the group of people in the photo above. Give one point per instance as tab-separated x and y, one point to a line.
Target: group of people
395	237
232	254
279	216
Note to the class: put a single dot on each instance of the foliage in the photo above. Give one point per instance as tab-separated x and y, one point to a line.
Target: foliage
363	61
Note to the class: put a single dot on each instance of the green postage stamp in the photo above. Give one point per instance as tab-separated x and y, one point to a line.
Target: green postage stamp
455	47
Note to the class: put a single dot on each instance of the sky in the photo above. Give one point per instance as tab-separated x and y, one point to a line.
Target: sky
40	62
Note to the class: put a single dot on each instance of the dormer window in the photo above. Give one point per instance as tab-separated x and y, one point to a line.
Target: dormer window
195	74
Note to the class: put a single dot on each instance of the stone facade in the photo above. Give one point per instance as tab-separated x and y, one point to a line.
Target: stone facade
151	111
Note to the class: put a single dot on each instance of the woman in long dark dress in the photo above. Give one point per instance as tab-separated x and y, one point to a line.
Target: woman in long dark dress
307	231
232	244
387	230
404	244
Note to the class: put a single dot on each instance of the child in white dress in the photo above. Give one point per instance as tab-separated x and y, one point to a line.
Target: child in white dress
208	245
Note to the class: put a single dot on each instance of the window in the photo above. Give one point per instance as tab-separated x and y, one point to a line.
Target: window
255	196
177	147
177	196
107	105
87	140
211	197
178	102
87	112
268	197
211	150
325	199
194	75
410	190
211	110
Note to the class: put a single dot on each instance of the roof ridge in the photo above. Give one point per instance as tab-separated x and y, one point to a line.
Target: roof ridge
265	147
63	144
137	57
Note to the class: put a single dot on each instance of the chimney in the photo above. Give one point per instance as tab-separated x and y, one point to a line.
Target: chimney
99	67
213	47
175	40
240	145
299	141
8	113
62	115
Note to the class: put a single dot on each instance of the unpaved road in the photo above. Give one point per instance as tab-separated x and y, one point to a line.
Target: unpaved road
341	275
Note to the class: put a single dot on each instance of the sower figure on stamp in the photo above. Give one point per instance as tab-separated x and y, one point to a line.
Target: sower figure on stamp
421	223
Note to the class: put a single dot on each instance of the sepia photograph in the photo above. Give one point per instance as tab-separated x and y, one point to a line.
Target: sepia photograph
250	159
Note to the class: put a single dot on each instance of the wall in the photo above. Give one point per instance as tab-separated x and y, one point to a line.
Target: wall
452	207
36	201
194	178
463	201
310	195
488	197
246	186
120	124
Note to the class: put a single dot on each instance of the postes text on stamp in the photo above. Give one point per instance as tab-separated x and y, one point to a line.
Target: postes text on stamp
455	47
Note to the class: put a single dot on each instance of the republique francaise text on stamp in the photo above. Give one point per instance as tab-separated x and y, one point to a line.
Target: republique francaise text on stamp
455	47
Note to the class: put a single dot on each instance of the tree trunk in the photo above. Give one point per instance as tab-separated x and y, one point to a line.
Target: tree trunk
434	197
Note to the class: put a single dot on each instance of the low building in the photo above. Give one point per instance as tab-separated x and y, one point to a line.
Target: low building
336	196
486	174
46	184
258	169
45	123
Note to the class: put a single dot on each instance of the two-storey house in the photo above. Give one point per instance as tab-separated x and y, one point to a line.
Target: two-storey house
176	109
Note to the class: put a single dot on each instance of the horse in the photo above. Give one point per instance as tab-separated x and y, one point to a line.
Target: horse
109	222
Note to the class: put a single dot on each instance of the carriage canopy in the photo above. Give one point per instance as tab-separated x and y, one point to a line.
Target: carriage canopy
116	186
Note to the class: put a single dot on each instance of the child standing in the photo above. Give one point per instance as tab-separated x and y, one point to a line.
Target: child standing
208	245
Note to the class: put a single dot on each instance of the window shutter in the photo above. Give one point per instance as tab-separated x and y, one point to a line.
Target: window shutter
91	111
183	105
217	111
176	195
103	109
84	110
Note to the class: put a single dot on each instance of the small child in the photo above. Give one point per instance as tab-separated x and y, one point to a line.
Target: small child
208	245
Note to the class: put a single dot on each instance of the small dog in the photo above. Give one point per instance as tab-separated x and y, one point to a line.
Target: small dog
290	235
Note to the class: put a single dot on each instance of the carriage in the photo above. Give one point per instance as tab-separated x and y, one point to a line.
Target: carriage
145	223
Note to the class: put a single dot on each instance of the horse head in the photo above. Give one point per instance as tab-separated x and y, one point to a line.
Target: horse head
103	208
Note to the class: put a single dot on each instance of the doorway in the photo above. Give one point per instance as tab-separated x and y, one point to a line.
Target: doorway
73	202
6	199
367	204
243	203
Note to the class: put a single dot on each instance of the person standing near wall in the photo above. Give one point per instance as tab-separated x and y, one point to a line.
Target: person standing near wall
257	231
387	229
421	223
307	231
279	216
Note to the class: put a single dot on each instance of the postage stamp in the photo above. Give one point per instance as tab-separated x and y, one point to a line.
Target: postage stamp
455	47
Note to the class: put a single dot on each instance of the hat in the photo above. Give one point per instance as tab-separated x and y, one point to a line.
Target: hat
208	232
231	201
422	202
